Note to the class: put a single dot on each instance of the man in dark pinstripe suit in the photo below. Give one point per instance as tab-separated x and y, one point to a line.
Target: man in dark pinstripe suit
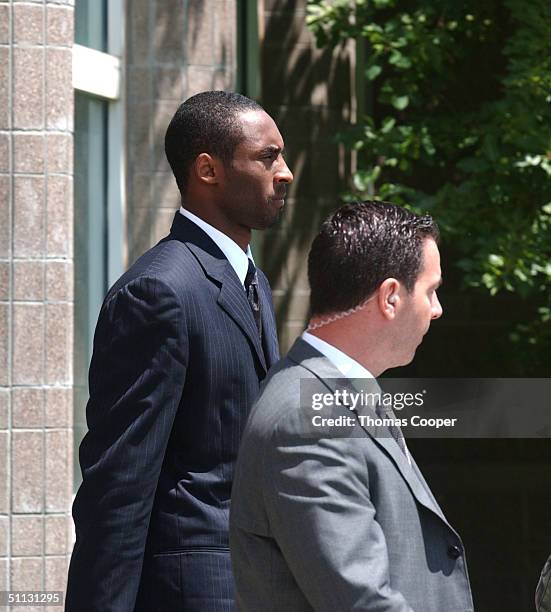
183	340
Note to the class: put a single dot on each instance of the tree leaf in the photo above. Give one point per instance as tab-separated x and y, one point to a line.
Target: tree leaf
373	72
400	102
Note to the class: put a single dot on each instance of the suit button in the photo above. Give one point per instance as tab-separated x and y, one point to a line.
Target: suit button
454	552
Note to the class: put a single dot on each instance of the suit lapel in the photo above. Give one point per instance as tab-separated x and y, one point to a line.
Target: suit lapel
270	343
424	483
411	474
232	298
305	355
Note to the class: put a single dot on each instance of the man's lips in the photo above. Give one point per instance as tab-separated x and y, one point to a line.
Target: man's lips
279	197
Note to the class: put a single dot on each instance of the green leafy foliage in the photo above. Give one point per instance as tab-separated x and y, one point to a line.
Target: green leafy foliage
458	123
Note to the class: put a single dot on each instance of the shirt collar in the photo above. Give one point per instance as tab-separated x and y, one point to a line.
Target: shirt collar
347	366
238	259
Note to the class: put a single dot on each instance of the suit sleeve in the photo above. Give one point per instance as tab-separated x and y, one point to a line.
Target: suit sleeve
137	376
324	521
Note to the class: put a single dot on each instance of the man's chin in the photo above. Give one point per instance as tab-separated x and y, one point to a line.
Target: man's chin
268	221
407	359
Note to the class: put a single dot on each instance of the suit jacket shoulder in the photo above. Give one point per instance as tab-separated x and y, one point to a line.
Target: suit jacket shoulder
169	261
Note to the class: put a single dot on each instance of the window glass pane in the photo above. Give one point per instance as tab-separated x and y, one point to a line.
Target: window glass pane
90	246
248	49
91	24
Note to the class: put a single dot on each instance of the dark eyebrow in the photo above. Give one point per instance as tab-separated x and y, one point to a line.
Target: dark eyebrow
271	150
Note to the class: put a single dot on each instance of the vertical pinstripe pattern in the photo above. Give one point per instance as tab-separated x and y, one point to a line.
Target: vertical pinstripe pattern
176	366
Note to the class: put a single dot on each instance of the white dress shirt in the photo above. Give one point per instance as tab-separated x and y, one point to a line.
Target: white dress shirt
239	259
347	366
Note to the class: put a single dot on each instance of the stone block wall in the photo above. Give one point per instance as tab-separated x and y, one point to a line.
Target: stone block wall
36	294
176	48
310	94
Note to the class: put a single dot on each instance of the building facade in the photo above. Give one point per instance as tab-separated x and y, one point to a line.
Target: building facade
87	88
36	293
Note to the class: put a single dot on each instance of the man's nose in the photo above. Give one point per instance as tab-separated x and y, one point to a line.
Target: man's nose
284	175
436	308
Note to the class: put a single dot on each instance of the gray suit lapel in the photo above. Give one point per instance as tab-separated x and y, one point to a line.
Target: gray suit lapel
308	357
425	484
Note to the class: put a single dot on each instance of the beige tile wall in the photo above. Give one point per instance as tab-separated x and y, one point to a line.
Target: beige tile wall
36	292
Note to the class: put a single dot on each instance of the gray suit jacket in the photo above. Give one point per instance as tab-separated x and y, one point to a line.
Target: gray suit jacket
543	590
334	523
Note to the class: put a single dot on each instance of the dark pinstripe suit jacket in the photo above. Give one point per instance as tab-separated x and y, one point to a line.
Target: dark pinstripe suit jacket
176	366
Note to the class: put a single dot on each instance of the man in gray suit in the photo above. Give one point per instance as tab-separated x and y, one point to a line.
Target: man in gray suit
330	513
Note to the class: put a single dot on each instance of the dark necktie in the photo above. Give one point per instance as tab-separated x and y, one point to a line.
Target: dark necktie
251	288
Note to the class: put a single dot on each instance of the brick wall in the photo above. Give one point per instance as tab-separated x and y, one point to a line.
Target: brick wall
36	122
176	48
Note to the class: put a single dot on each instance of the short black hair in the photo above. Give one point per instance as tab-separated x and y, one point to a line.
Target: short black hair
359	246
205	123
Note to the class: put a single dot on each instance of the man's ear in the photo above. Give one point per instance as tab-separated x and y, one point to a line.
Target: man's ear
388	298
207	169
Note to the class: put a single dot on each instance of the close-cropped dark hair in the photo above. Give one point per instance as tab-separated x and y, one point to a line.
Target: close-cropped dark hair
205	123
359	246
